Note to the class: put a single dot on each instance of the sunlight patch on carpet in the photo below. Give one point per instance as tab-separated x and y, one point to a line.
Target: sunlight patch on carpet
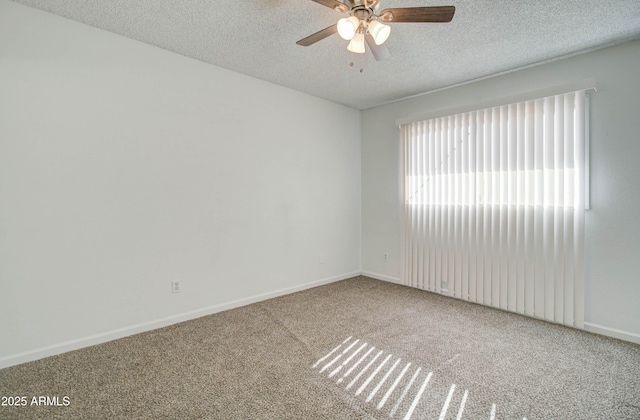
354	356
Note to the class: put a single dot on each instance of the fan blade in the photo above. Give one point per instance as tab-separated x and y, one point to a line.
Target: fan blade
318	36
333	4
418	14
380	52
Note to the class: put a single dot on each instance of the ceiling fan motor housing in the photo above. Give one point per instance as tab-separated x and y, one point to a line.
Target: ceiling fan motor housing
363	10
365	3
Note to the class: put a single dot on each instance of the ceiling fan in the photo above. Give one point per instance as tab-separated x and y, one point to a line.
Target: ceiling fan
364	23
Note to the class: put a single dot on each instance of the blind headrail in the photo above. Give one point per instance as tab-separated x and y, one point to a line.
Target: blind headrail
587	85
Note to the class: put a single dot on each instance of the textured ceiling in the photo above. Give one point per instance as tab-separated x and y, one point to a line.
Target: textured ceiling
258	38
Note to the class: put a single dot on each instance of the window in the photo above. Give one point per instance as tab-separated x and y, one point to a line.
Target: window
494	205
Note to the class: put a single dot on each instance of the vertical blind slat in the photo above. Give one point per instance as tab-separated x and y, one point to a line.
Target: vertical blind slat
464	234
512	209
548	209
529	251
444	196
473	266
432	220
558	234
457	153
420	197
480	245
504	207
452	203
424	208
494	206
520	207
486	195
569	216
579	210
406	206
538	211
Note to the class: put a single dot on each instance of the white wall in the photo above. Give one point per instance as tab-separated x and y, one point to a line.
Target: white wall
612	225
124	166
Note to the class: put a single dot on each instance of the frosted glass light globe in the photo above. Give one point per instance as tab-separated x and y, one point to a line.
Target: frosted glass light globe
347	27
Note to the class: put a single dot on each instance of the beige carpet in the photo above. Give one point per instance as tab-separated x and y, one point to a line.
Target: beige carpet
358	348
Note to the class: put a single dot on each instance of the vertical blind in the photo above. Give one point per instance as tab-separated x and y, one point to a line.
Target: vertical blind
494	205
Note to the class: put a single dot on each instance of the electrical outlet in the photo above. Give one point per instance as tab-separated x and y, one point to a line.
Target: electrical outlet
386	256
176	286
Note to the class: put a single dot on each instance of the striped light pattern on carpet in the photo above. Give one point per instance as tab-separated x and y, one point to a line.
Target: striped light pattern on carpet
387	381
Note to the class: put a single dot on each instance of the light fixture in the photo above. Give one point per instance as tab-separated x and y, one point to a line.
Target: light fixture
379	31
357	44
347	27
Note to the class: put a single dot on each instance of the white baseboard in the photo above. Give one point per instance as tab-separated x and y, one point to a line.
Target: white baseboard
381	277
59	348
588	326
612	332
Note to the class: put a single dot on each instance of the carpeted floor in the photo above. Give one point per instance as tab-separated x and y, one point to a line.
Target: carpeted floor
358	348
